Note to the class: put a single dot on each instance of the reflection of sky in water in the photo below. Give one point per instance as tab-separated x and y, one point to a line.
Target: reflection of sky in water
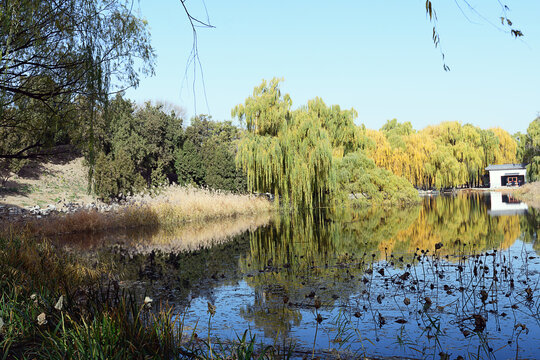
363	332
276	263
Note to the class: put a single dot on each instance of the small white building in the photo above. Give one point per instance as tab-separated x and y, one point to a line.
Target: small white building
506	175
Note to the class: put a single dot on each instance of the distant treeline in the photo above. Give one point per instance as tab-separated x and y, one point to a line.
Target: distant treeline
450	154
440	156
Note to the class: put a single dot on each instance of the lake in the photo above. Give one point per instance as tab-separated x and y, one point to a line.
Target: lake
454	276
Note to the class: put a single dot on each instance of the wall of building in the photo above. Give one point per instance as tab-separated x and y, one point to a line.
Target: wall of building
495	176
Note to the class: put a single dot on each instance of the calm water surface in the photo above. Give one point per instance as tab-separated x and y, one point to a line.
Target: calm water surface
456	275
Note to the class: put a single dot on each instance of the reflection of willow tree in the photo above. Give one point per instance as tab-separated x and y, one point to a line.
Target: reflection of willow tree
529	226
327	253
456	222
270	313
323	253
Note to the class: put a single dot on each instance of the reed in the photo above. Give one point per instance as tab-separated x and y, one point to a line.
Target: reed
173	206
530	193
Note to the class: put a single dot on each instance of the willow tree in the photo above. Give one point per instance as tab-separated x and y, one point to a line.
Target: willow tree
528	150
59	62
440	156
290	153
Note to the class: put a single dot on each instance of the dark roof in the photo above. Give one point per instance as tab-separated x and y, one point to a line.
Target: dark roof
507	167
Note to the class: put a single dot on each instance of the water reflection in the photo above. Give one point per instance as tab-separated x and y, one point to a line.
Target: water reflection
356	261
371	269
184	238
506	204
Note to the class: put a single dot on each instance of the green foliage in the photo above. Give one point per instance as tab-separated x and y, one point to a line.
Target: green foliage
52	54
147	146
189	164
114	174
207	157
159	177
295	154
358	177
137	147
283	152
395	131
529	149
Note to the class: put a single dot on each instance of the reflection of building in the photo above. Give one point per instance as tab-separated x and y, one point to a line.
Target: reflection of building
505	204
506	175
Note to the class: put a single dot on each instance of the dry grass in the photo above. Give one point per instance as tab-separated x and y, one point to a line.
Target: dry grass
174	206
43	183
177	204
530	193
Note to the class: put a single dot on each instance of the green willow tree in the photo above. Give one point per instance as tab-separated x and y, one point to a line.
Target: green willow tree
285	152
296	155
529	149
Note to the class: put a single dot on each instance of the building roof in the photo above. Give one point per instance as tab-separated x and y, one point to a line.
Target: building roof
506	167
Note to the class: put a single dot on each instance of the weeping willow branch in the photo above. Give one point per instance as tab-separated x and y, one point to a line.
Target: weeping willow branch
506	23
193	58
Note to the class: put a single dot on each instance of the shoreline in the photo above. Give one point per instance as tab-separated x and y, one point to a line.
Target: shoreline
528	193
174	205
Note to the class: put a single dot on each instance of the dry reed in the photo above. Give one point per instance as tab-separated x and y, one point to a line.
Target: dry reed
530	193
173	206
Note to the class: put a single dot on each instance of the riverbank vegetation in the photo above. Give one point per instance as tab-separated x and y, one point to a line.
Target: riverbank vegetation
55	307
174	206
451	154
312	156
440	156
530	193
309	157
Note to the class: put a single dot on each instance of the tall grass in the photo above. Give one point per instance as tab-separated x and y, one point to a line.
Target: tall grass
178	204
173	206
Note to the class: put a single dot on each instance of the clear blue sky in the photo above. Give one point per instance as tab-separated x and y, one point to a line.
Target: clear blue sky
374	56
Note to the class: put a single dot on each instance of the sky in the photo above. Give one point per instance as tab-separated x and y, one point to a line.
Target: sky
374	56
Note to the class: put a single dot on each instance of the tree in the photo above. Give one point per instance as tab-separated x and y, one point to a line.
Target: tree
52	52
286	153
529	150
207	155
506	23
309	157
141	141
440	156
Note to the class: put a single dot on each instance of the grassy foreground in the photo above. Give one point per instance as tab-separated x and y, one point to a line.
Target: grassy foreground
54	307
173	206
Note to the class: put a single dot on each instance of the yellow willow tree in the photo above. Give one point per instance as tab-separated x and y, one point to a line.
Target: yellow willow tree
440	156
507	150
290	153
